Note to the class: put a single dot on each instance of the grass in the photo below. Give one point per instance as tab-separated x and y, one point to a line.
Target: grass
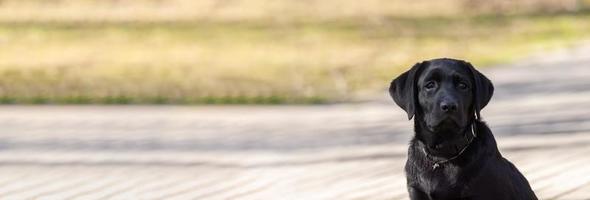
253	61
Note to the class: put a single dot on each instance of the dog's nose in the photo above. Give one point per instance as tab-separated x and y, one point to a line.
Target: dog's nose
446	106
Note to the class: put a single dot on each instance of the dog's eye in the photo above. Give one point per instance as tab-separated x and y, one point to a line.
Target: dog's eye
462	86
430	85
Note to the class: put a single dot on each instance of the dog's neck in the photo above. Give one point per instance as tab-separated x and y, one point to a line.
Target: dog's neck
439	147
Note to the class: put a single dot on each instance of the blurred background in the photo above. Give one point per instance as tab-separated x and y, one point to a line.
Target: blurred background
257	51
274	99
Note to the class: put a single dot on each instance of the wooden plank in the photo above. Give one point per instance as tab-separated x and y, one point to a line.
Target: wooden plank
566	180
580	193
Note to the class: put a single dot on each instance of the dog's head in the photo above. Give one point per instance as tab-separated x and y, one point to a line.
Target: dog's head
445	94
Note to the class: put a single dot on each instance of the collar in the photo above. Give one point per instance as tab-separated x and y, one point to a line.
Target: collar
440	162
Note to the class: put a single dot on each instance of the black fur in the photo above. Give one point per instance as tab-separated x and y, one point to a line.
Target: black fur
469	167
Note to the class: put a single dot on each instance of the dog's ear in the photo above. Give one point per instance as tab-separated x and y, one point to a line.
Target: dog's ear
482	90
403	89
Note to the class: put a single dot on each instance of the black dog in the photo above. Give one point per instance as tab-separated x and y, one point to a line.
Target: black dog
453	154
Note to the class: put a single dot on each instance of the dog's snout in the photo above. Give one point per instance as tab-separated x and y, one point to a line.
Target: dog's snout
448	106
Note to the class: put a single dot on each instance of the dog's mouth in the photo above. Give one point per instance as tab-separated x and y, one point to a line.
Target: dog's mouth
445	124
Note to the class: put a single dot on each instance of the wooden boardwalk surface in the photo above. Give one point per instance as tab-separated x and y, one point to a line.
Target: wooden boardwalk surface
540	116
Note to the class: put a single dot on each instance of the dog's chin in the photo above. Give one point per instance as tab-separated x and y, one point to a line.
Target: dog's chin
445	125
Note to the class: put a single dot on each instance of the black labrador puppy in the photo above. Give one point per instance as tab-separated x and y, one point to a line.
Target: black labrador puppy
453	154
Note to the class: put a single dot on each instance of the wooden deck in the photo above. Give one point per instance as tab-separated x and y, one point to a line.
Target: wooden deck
556	165
540	117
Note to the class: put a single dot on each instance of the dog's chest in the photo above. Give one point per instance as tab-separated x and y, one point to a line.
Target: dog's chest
441	183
